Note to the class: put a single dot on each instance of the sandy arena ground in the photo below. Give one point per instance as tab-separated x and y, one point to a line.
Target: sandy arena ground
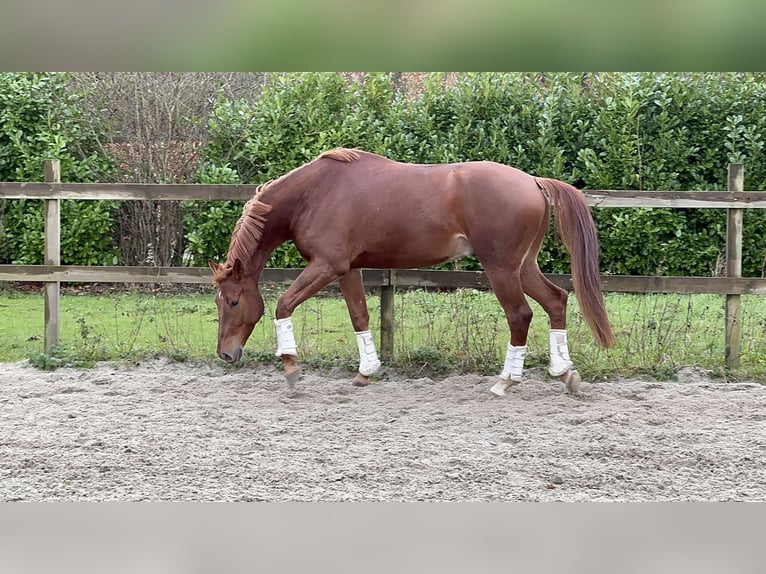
173	431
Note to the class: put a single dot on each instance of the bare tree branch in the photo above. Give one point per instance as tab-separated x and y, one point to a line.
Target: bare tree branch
154	124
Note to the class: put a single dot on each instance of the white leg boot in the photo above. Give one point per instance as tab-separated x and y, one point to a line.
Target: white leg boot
560	361
285	337
561	365
512	369
368	356
287	349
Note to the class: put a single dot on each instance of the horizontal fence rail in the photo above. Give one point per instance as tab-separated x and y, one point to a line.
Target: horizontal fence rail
411	278
734	200
127	191
193	191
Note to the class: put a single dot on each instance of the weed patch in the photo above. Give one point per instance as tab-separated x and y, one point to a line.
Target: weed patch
437	333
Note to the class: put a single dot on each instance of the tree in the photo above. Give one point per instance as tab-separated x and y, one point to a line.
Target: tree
155	124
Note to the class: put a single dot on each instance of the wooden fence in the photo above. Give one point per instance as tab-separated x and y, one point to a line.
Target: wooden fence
52	273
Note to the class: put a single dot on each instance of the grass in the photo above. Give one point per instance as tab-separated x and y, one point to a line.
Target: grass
436	333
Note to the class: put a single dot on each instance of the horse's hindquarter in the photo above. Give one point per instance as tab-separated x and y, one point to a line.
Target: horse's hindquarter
393	215
505	213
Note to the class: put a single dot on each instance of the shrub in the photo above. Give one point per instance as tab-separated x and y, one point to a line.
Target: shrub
40	119
598	131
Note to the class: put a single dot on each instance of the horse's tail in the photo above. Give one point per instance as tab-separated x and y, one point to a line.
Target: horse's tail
577	230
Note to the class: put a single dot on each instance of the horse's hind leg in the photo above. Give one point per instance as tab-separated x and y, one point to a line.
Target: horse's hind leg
508	289
352	287
553	300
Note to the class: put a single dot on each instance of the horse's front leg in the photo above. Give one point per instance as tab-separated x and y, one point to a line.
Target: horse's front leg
352	287
312	279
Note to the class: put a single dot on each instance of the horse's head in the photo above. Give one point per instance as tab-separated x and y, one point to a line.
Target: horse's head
240	307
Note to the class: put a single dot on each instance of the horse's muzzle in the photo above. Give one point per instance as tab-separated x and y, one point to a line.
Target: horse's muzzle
232	358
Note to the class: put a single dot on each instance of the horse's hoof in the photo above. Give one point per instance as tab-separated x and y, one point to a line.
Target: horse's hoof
361	380
498	389
572	381
292	378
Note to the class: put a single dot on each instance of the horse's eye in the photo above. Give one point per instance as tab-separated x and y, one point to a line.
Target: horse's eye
234	304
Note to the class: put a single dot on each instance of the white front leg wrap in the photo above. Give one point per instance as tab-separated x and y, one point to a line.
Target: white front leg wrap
285	337
368	356
560	361
512	369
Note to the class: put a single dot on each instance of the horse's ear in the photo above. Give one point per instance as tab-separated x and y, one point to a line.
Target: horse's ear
213	266
236	270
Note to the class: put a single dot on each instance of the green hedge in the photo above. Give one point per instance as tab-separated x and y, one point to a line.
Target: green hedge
39	119
642	131
598	131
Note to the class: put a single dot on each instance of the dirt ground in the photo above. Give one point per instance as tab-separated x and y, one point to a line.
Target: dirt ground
173	431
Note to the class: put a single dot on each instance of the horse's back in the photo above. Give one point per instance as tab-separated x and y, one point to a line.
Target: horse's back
376	175
393	214
478	191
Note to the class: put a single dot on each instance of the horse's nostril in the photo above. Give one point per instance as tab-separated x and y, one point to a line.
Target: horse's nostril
231	358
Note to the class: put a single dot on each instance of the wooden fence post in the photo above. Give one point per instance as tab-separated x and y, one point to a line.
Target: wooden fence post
733	351
52	255
387	293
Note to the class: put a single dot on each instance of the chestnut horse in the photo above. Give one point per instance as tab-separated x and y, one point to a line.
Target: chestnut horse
348	209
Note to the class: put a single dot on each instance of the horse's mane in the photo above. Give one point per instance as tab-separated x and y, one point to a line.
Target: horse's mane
249	228
340	154
247	233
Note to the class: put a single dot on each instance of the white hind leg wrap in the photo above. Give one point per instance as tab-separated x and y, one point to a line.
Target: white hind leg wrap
285	337
560	361
368	356
512	369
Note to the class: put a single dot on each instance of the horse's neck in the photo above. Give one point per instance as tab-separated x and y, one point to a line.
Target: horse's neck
265	248
277	229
